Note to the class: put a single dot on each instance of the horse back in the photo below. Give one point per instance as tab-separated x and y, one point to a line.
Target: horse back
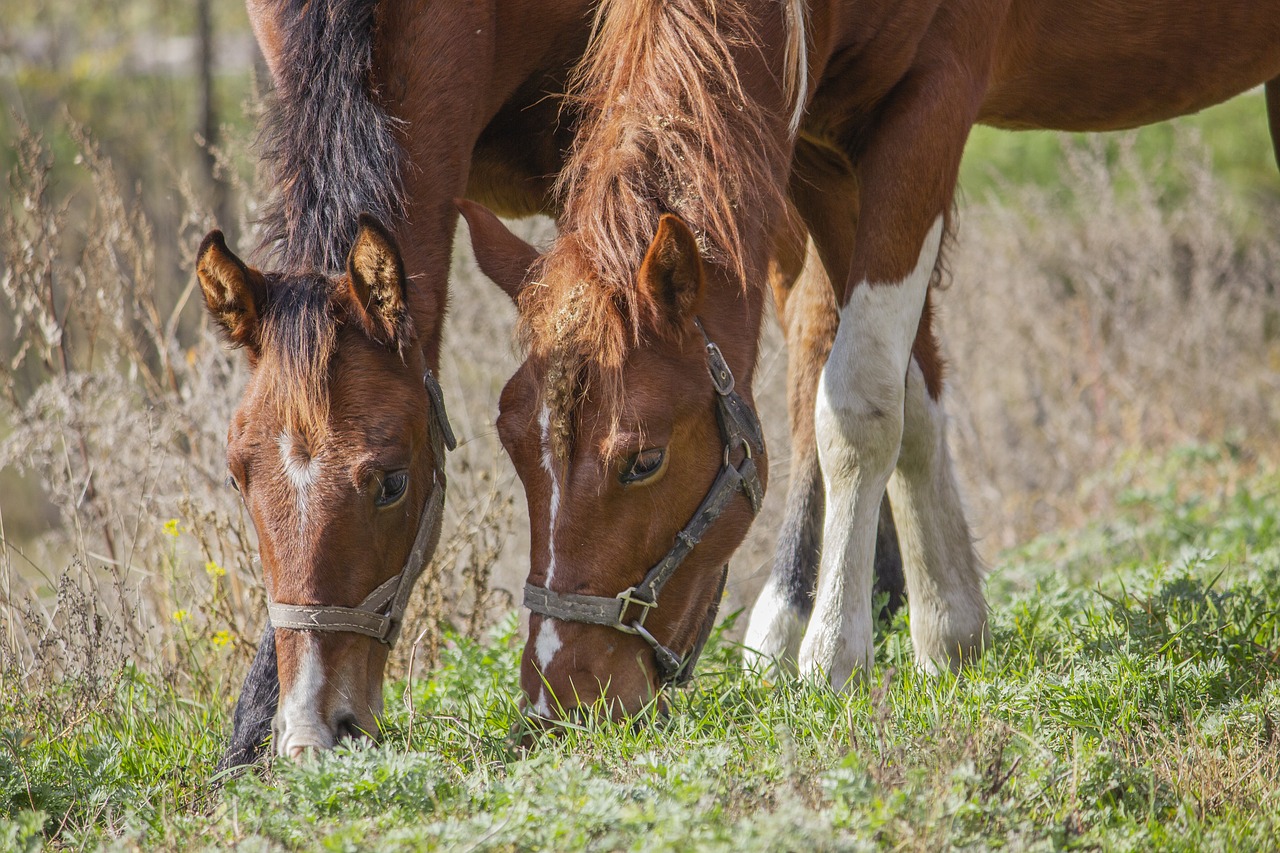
1113	64
1049	64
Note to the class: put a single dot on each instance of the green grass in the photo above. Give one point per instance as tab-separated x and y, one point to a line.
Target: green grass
1131	702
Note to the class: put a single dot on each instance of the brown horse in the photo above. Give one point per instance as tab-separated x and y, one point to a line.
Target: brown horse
392	109
389	109
698	118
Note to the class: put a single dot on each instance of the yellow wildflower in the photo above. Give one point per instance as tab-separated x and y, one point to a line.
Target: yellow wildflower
221	638
181	616
171	528
213	570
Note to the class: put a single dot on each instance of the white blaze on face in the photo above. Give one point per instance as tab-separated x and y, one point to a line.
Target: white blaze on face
548	641
302	471
548	465
298	724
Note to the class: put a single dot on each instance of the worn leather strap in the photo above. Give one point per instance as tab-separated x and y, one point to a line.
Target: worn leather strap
367	619
381	614
627	611
685	672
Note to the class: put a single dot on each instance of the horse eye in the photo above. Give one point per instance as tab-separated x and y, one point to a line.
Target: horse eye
643	466
393	488
231	481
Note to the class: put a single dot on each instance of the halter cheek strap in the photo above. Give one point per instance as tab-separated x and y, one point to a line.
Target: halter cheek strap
381	613
627	611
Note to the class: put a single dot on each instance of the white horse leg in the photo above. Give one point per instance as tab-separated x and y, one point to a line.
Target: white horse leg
859	424
943	573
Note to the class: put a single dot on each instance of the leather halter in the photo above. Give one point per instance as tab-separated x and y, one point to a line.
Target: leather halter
381	613
627	611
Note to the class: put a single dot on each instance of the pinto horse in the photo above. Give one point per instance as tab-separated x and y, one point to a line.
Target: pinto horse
630	423
389	109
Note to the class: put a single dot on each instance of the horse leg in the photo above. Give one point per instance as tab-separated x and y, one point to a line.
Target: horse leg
944	575
1273	115
806	309
907	173
782	609
256	707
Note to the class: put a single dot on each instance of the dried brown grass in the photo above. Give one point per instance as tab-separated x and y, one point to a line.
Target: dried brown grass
115	414
1087	329
1109	320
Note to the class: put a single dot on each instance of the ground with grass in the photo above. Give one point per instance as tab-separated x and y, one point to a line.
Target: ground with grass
1130	702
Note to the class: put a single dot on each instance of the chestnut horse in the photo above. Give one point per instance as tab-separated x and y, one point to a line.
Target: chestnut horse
390	109
630	421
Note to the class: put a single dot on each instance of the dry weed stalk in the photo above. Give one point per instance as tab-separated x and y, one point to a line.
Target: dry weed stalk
1105	321
116	410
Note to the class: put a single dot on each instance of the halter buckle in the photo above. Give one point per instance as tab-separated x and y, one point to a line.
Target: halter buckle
721	375
627	597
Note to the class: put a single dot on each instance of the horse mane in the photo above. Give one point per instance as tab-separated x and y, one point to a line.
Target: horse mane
664	126
299	336
329	144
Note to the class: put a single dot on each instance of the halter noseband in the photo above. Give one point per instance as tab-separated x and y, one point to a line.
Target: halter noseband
627	611
381	613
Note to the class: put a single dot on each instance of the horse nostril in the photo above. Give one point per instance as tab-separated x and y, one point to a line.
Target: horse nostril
349	727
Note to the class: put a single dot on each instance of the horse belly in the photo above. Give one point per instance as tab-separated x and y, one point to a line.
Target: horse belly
1095	65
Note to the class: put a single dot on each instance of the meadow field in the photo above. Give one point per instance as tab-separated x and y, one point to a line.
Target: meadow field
1111	323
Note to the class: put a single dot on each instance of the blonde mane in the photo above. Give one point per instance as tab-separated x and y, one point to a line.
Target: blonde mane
664	126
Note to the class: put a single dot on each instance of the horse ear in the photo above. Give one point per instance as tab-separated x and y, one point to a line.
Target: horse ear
234	294
375	275
671	275
502	256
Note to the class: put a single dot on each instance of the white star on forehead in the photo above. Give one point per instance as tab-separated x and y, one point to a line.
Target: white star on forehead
301	470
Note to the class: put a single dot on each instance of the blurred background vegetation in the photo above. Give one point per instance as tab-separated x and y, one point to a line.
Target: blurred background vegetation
137	75
166	93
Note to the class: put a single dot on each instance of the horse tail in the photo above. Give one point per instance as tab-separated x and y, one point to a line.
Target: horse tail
1273	115
330	145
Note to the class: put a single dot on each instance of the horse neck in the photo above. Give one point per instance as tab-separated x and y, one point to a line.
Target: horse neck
683	109
732	318
443	78
425	104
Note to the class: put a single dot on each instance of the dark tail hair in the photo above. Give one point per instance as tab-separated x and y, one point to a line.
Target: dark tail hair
330	145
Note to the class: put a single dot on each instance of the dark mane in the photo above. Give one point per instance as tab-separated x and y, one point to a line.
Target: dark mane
330	146
299	336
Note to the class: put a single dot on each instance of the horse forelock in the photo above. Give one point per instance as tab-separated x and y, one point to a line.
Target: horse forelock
299	339
665	126
576	328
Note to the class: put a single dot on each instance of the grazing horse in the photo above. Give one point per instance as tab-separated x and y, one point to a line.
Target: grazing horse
630	423
389	109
